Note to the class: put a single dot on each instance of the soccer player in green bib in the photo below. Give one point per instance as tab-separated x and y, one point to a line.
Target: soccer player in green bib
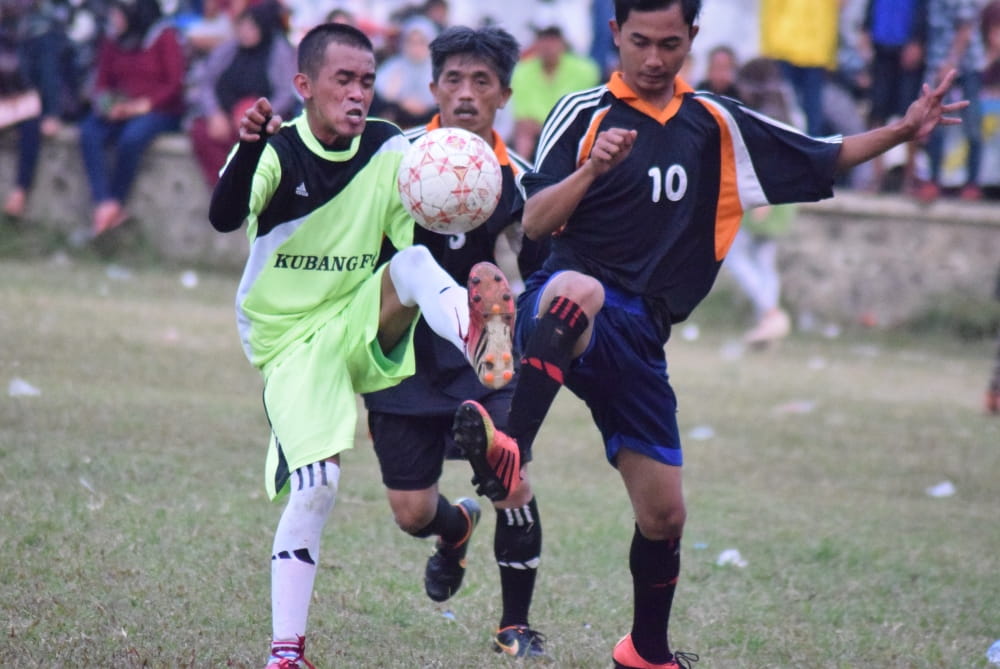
317	314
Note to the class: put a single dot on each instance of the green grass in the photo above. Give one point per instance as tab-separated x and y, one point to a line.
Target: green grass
134	530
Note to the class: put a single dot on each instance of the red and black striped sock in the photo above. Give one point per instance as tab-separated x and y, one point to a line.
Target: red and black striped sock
547	357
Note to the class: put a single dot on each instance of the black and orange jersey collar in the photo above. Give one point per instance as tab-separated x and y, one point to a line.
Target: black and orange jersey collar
624	92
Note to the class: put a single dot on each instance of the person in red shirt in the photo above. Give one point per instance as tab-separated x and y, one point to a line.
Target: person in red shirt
139	94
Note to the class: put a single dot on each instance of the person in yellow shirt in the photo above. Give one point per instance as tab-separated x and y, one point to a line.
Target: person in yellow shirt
802	36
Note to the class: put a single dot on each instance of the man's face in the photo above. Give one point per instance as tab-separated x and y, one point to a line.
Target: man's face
339	96
468	94
653	46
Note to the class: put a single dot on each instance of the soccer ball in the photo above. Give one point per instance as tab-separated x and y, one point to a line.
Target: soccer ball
450	181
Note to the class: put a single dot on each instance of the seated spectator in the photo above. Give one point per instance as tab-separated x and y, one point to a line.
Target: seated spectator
212	27
549	71
34	37
401	82
259	62
138	94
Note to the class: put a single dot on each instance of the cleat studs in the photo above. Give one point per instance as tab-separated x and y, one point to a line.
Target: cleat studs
508	375
475	280
507	357
506	297
477	298
496	308
489	377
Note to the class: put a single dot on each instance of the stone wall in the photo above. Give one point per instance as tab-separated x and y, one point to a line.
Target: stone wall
169	201
879	259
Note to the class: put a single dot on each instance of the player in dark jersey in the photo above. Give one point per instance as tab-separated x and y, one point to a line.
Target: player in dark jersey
317	314
410	423
643	183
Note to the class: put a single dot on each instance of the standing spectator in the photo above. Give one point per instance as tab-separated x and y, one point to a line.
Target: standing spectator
437	12
139	94
896	31
753	257
802	36
547	73
954	42
720	77
259	62
602	44
402	80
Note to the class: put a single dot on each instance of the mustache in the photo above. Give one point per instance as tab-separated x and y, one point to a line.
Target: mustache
465	109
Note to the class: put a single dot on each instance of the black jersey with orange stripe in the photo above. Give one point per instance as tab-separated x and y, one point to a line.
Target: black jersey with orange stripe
659	224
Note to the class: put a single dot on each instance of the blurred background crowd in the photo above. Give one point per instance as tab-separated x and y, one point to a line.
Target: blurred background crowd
125	71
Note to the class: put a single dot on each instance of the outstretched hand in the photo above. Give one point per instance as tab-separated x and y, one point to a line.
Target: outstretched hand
257	118
929	110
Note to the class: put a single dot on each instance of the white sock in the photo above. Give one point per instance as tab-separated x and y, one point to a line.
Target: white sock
420	281
296	547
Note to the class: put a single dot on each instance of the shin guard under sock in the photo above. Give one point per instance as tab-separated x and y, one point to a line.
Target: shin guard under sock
547	357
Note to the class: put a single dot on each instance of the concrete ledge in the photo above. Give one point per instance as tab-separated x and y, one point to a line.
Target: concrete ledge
877	259
880	259
168	203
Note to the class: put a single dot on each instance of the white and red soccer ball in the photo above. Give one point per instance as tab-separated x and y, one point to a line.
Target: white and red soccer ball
450	181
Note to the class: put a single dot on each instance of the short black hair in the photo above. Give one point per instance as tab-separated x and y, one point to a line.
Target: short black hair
491	44
312	48
689	8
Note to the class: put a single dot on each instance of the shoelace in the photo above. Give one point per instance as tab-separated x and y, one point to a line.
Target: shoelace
685	660
535	636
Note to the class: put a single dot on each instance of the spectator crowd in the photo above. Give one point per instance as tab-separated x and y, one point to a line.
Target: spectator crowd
126	71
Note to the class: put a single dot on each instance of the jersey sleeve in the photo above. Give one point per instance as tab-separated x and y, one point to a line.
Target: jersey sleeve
788	165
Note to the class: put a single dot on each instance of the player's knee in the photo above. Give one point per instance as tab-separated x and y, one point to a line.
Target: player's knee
314	488
412	521
582	289
666	522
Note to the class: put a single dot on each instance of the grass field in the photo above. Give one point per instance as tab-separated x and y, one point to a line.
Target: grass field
134	531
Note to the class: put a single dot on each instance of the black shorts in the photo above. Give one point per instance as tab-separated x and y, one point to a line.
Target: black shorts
412	449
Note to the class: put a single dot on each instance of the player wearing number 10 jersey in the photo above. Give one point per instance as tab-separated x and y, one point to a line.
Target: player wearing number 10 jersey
643	183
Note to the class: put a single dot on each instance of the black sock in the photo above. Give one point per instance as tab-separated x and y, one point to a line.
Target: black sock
547	356
655	566
449	523
517	545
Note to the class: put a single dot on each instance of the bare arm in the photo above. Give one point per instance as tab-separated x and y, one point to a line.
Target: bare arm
549	209
923	115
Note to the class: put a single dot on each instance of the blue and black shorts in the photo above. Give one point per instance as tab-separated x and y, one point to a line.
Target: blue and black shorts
622	376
